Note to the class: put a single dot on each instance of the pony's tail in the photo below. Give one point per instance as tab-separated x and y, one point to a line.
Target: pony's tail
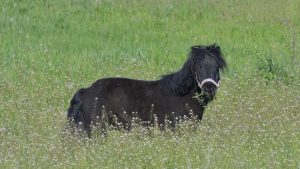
75	113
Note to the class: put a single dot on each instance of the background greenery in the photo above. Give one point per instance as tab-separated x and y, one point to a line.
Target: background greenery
49	49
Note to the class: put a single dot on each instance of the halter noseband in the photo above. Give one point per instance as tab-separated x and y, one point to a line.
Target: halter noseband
217	84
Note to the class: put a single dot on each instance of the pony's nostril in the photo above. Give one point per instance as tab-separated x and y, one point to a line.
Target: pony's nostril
211	89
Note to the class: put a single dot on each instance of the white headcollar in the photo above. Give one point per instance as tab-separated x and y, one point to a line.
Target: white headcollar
217	84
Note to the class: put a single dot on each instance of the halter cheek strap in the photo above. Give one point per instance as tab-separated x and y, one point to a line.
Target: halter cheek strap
217	84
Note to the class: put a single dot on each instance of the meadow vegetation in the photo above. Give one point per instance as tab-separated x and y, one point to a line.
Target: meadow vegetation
50	49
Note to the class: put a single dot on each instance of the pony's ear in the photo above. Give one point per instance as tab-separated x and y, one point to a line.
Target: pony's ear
196	47
197	51
216	50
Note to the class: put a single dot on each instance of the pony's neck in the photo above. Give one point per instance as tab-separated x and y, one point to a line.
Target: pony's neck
180	83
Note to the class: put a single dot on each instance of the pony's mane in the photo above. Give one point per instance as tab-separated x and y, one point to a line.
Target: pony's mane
182	82
213	51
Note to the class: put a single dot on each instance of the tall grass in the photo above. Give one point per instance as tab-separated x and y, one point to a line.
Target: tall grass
49	49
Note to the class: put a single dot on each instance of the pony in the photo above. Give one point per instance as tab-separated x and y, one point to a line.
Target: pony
171	97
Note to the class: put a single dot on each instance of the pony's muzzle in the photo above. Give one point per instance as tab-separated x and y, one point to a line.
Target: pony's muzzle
209	87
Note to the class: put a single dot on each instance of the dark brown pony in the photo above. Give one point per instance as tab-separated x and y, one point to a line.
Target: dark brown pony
169	97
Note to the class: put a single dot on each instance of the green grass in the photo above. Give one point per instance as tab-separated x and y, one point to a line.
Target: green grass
49	49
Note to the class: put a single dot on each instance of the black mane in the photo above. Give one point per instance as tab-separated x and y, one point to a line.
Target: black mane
213	51
183	81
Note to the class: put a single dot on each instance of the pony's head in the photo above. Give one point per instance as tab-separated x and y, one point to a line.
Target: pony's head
207	62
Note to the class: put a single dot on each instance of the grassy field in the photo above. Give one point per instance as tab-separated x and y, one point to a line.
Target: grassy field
50	49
